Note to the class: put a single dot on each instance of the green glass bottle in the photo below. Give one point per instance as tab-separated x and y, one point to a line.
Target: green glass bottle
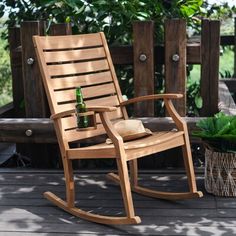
82	121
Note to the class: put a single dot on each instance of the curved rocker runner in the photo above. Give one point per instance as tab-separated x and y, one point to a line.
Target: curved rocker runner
67	62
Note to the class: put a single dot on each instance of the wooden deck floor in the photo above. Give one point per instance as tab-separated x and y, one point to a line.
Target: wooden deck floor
24	211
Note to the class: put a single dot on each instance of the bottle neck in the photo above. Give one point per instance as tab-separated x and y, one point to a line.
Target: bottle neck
79	97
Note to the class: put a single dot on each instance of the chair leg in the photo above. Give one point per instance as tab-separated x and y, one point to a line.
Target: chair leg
70	183
193	193
133	166
70	186
188	163
125	187
69	204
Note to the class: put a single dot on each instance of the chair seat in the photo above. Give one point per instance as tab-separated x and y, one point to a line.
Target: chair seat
158	141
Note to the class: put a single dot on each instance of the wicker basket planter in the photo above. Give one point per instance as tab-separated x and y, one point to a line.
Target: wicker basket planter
220	173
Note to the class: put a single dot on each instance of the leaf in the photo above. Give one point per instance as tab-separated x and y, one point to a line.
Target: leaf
198	101
2	7
222	124
221	127
207	125
68	19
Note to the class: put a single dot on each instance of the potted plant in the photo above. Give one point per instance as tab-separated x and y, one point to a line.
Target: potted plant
218	134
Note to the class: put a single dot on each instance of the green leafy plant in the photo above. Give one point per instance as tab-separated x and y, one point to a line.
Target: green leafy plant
218	132
114	18
194	99
5	74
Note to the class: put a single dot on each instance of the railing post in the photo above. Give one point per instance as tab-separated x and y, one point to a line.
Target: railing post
175	61
60	29
17	77
143	33
35	101
16	70
35	98
210	50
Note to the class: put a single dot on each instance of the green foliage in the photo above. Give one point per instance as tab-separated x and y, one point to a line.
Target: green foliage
227	62
219	11
114	17
5	75
218	131
194	99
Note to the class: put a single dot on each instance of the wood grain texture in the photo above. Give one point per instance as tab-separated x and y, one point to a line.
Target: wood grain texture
60	29
88	92
77	68
72	55
143	70
62	42
83	80
210	43
175	71
34	97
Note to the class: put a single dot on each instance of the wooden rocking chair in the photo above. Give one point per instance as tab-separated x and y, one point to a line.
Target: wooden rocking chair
67	62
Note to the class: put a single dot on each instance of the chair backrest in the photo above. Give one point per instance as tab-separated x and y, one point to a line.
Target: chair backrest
67	62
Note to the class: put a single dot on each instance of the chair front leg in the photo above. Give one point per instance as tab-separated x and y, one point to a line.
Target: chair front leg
69	181
125	187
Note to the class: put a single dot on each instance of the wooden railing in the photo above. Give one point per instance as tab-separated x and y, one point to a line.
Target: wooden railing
144	55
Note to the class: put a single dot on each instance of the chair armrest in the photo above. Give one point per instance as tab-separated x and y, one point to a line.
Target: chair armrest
101	108
89	108
62	114
152	97
178	120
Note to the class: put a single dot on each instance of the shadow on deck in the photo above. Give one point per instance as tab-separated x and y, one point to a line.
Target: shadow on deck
24	211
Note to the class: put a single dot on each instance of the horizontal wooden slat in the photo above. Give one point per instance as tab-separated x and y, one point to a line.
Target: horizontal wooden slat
194	54
13	130
74	135
157	138
71	41
74	55
81	80
68	122
98	90
77	68
159	141
89	92
162	146
105	101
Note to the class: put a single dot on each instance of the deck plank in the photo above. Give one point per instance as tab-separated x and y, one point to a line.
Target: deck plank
25	212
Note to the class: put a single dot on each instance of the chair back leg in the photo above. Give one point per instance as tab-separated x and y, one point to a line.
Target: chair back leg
125	187
133	167
188	163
